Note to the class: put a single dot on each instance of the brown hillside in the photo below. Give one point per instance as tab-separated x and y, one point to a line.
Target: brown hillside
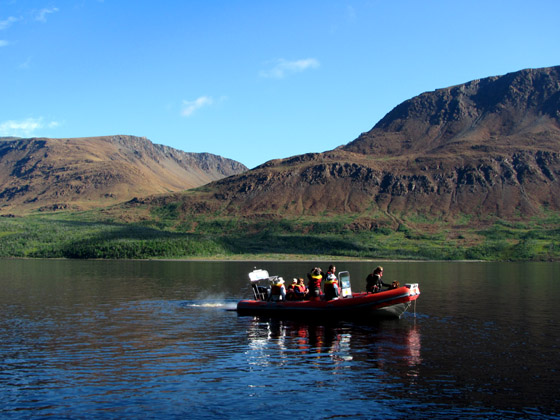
518	110
82	173
488	147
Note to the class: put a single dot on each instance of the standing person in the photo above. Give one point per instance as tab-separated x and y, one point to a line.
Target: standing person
374	282
331	284
315	278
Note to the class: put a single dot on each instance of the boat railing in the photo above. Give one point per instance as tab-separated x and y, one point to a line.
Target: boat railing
260	284
261	292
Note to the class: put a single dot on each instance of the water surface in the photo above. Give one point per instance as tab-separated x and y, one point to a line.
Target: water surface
130	339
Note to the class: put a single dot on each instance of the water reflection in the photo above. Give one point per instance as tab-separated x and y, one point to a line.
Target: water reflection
328	345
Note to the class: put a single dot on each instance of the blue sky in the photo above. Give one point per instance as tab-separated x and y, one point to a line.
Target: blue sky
250	80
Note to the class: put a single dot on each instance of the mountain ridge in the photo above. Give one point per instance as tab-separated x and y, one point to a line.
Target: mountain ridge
492	108
489	147
486	148
83	173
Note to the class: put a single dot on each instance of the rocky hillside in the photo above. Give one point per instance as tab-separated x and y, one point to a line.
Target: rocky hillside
518	110
490	147
82	173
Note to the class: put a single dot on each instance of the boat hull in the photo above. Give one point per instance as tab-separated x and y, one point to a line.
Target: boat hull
387	304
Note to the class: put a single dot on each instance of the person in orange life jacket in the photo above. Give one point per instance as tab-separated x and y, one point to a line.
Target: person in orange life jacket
291	292
277	290
300	289
315	278
331	284
374	282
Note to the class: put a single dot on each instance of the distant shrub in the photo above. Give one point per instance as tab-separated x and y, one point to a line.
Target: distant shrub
383	231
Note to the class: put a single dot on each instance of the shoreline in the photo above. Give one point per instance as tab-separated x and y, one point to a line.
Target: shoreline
291	259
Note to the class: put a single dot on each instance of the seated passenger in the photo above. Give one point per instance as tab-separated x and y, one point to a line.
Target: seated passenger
291	292
331	287
300	290
277	290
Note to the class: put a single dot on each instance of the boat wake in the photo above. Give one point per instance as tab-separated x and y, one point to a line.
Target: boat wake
211	304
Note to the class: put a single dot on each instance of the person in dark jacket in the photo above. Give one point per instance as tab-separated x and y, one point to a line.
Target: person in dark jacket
374	282
331	284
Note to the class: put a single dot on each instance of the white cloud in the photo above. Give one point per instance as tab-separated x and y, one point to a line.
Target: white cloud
42	14
282	68
189	107
6	23
25	128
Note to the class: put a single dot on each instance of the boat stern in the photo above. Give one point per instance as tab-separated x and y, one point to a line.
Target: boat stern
413	290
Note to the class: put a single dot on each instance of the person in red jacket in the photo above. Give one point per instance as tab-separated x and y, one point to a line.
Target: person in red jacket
277	290
300	289
315	278
291	292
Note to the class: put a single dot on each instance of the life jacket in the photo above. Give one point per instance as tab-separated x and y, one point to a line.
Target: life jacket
331	279
331	286
299	288
276	290
315	282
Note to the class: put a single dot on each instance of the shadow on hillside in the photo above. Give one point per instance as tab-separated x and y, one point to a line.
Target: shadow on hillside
90	239
112	240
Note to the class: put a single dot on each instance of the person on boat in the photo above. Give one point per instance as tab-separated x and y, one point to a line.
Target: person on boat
331	284
291	292
374	282
300	290
315	278
277	290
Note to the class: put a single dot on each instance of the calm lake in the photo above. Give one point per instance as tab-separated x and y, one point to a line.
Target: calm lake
155	339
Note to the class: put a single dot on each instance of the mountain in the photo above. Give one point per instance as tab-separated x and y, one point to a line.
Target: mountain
83	173
516	110
488	148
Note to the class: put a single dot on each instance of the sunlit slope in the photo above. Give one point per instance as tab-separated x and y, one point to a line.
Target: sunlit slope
82	173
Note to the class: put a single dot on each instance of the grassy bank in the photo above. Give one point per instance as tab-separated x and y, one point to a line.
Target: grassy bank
89	235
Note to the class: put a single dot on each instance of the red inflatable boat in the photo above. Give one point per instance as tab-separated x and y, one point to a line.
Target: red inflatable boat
385	304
